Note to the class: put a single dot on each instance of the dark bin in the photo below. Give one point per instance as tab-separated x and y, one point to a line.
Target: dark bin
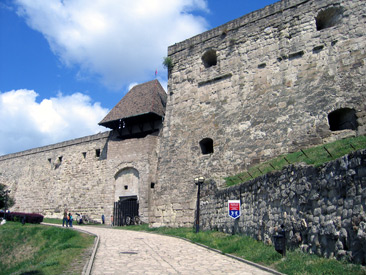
279	240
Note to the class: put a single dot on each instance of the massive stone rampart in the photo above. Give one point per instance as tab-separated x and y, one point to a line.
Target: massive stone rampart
276	80
85	175
65	175
322	209
279	79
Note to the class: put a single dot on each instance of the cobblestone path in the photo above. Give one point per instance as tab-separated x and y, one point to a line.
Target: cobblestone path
130	252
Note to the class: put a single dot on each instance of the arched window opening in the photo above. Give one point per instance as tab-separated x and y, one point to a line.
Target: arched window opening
206	145
328	18
209	58
343	119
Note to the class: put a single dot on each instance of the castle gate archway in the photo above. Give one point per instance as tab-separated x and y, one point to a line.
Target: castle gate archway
127	183
126	196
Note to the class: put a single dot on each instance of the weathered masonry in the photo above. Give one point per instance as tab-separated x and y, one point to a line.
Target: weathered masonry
321	208
282	78
89	174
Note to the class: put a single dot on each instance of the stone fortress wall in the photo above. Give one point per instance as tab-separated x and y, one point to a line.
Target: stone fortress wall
84	175
322	208
276	80
282	78
65	175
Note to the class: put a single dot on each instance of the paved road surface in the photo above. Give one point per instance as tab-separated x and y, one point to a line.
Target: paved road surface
133	252
130	252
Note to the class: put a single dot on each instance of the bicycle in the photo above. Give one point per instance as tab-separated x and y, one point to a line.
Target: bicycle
82	219
132	220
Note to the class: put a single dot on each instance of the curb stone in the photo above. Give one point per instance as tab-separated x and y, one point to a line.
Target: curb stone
89	265
264	268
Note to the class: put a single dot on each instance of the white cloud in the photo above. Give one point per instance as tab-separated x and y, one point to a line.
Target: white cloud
27	124
133	84
120	41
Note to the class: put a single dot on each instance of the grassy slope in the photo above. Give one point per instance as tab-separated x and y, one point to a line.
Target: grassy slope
42	249
312	156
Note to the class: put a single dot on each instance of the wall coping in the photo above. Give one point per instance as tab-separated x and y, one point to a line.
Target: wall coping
249	18
59	145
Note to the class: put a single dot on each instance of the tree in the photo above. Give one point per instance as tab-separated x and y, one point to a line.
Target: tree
5	198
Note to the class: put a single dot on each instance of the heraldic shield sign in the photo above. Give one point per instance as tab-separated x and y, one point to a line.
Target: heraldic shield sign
234	208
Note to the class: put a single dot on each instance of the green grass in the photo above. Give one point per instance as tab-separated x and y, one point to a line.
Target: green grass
52	220
41	249
315	156
247	248
297	262
59	221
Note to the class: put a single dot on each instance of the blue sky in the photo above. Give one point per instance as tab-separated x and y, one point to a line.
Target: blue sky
65	63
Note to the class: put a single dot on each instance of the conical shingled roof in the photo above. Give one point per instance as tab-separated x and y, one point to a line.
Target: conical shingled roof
142	99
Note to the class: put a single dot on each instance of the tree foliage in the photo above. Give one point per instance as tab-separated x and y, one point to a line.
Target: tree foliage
168	63
5	197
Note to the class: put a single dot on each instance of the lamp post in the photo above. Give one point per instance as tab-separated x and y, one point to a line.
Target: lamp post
198	181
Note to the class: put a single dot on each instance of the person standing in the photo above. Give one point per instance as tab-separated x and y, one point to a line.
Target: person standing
70	219
103	221
64	220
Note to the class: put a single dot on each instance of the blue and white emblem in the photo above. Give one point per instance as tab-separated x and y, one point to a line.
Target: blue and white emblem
234	208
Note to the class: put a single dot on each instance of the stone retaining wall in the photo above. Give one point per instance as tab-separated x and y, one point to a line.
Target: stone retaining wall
322	209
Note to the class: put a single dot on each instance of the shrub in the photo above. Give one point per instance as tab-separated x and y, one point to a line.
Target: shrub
29	217
168	63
